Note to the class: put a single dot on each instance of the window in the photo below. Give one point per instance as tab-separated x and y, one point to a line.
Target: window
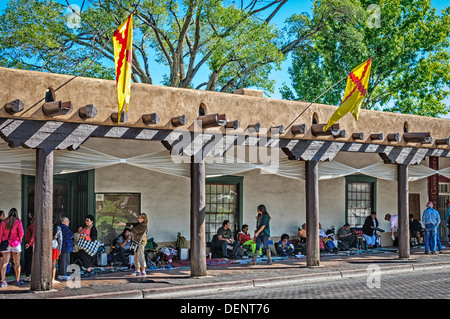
360	199
223	202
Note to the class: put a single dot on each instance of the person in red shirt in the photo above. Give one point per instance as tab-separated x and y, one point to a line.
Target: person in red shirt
244	235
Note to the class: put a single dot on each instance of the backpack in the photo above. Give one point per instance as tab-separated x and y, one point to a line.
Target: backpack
181	242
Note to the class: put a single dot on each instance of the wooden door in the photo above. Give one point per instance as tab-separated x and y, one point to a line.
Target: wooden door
414	205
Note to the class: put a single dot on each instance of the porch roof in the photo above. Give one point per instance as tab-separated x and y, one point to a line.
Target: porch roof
247	106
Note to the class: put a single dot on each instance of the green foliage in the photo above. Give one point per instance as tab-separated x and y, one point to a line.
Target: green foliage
410	71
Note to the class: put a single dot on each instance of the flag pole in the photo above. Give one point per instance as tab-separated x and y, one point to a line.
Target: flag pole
317	99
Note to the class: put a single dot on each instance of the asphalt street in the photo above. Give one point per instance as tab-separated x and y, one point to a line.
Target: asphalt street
430	284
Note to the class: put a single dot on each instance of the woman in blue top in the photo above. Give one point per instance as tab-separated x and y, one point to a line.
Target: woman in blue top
262	233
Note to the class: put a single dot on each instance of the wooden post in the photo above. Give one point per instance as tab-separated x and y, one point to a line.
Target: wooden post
312	214
403	211
41	272
198	235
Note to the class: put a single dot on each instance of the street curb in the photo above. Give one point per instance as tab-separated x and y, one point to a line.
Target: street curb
196	289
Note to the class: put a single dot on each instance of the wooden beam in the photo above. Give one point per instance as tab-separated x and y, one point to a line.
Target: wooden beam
254	127
442	141
358	136
312	213
299	129
123	117
403	211
233	124
56	108
212	120
198	202
87	112
152	118
277	129
41	272
418	137
317	129
14	107
376	136
394	137
178	120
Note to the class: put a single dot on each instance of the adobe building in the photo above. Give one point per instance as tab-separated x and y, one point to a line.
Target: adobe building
190	159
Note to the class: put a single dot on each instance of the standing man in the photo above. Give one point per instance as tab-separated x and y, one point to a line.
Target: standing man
431	219
66	248
225	238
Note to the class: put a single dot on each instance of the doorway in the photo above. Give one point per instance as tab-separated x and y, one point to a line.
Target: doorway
73	197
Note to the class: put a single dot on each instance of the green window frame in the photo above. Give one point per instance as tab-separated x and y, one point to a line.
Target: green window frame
214	217
360	198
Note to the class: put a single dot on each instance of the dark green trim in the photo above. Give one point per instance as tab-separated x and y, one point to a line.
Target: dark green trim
361	179
239	181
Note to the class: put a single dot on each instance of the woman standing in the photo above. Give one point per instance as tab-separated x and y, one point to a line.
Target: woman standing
262	233
11	229
369	229
29	246
89	232
56	248
139	232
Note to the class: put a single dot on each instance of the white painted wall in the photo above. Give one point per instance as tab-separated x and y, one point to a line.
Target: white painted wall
11	192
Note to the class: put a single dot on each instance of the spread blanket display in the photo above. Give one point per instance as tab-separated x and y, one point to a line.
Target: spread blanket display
90	247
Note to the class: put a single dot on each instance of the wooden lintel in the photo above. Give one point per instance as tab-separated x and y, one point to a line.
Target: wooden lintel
56	108
443	141
14	106
418	137
87	111
394	137
376	136
317	129
179	120
299	129
152	118
358	136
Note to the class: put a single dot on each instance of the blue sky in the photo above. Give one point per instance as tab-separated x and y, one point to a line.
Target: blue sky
288	9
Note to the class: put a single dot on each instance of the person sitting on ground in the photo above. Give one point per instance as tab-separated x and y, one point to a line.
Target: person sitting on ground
122	247
346	237
225	239
416	229
244	235
284	246
302	234
327	241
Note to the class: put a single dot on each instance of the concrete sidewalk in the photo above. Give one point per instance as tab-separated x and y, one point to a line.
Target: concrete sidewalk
177	283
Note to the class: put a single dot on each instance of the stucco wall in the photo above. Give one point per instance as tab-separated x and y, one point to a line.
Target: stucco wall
11	191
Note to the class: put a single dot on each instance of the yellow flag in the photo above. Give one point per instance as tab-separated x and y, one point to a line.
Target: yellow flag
123	46
355	92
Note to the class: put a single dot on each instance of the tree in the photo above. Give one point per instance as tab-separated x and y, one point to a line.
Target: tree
411	62
234	40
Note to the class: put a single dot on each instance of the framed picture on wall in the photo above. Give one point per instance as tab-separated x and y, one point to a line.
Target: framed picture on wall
112	208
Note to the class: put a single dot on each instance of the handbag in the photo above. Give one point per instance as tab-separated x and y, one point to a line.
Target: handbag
134	244
4	244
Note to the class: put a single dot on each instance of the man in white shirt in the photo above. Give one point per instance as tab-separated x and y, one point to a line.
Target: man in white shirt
393	219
